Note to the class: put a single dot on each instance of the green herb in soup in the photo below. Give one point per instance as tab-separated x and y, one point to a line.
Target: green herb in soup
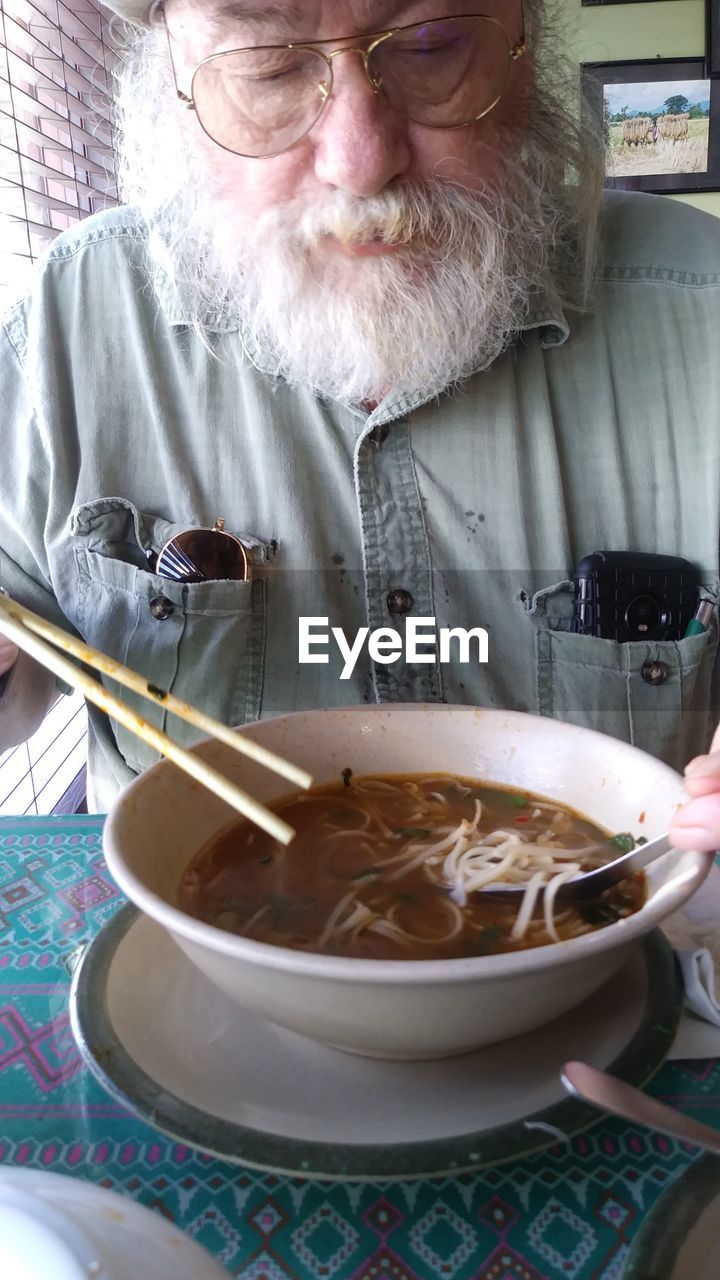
390	867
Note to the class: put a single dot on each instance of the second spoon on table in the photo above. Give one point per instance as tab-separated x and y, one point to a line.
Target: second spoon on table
622	1099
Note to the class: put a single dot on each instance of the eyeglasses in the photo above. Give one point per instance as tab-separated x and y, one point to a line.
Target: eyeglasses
442	74
199	555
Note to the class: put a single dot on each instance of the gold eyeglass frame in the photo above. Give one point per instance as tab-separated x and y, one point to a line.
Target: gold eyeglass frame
365	50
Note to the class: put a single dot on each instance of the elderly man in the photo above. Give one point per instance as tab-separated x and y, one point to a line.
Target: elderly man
367	346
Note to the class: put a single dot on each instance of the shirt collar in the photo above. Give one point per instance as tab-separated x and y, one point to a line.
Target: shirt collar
176	309
545	312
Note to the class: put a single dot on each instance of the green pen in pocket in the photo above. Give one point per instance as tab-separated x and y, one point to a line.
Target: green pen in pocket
700	620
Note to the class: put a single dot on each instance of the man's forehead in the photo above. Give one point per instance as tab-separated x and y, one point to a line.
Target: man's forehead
255	12
290	15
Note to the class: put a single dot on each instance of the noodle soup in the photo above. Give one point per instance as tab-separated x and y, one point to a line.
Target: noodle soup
389	867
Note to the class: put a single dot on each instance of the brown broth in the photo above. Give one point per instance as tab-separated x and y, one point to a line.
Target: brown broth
245	882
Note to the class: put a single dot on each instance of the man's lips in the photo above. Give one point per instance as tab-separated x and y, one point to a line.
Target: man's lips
373	248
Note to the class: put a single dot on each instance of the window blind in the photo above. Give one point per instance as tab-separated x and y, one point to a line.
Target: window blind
57	166
57	162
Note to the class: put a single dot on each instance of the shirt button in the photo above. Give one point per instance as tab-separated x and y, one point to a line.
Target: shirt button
161	608
654	672
400	601
379	435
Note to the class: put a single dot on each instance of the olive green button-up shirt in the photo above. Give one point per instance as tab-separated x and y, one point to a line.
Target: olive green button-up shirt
602	431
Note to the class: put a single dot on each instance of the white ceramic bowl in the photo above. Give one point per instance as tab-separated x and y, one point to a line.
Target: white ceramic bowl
53	1227
404	1009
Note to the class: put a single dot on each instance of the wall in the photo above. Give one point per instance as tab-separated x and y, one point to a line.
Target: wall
616	32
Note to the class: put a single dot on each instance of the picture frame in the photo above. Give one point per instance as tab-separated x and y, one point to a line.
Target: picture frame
591	4
660	118
713	37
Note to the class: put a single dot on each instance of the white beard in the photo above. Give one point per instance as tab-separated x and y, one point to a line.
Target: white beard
416	321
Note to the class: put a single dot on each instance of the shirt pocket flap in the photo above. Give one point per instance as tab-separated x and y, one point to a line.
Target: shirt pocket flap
655	694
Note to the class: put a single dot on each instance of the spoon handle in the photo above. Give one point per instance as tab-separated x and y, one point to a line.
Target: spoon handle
610	1094
593	882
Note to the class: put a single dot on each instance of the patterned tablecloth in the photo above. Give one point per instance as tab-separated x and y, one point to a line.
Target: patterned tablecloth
567	1213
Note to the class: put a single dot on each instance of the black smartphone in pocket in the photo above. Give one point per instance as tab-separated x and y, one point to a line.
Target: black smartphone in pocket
633	595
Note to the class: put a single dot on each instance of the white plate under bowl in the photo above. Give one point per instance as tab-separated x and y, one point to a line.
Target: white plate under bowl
680	1238
184	1057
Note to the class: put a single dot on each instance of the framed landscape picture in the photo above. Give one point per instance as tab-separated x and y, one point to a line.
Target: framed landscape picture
660	119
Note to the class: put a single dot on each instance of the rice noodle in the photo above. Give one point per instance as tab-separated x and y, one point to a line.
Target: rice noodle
374	784
471	862
535	884
254	919
334	916
408	866
463	860
429	849
549	900
391	931
447	905
429	940
382	827
358	918
363	826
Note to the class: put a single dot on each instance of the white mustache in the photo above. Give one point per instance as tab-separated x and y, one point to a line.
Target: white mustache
400	216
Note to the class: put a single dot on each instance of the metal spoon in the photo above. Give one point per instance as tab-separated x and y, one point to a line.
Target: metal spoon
591	883
611	1094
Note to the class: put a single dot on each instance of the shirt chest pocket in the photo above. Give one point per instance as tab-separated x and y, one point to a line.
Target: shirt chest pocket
204	642
658	695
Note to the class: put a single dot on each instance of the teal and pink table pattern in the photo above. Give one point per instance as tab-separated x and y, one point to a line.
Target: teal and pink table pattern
568	1213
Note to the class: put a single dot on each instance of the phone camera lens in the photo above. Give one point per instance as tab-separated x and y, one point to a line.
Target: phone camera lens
643	616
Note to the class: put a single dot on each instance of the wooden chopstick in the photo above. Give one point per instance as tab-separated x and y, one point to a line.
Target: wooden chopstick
26	629
132	680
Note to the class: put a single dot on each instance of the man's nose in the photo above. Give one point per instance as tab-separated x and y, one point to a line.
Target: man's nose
361	143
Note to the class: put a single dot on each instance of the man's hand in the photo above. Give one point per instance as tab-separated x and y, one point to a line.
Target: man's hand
697	825
8	654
